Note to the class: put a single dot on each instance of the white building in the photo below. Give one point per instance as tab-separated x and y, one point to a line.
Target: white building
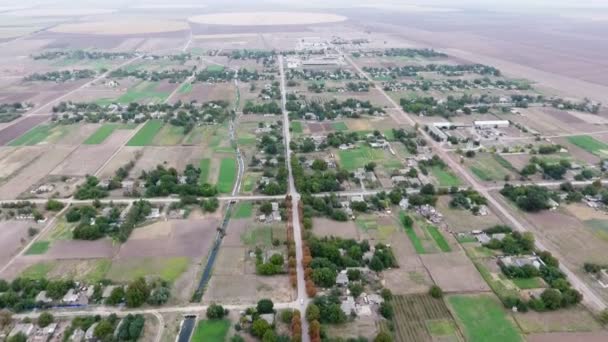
491	123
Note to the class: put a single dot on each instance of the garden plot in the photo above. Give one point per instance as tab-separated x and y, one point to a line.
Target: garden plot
490	167
454	272
14	159
204	92
423	318
34	172
324	227
576	319
17	129
55	134
177	157
483	318
234	280
599	336
79	249
362	155
87	159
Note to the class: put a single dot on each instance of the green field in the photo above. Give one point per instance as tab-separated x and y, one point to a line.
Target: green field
264	235
205	166
411	234
249	181
169	135
214	330
41	133
243	210
215	68
445	178
598	227
483	319
590	144
296	127
358	157
38	270
528	283
103	132
146	134
186	88
168	269
38	247
487	168
339	126
439	239
143	91
227	175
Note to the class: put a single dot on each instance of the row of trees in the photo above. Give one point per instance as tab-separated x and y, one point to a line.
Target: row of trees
62	76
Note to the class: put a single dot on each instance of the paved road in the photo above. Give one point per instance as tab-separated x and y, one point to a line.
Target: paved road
589	297
297	231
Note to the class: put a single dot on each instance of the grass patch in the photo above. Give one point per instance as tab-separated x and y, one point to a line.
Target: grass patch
358	157
205	166
389	135
441	327
38	247
296	127
504	163
243	210
227	175
38	271
439	239
211	330
444	177
528	283
61	231
263	235
589	144
598	227
103	132
339	126
146	134
168	269
483	319
487	168
249	182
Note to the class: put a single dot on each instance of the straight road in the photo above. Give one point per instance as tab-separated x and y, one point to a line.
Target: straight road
295	199
590	299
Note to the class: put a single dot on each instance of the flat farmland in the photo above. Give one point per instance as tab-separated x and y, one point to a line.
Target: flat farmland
324	227
33	172
204	92
423	318
18	128
460	220
87	159
14	236
362	155
145	135
105	131
13	159
590	144
152	156
490	167
227	175
454	272
483	318
576	319
55	134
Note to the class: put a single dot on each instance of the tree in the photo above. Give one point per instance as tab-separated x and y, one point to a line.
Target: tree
259	327
19	337
383	337
604	317
324	277
116	296
269	336
103	329
386	294
137	293
54	205
552	299
376	264
313	312
369	167
45	319
266	208
265	306
215	311
407	221
386	310
6	317
355	289
436	291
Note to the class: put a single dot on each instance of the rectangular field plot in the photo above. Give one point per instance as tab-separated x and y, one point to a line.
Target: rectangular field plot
590	144
359	157
103	132
445	177
41	134
483	319
211	330
146	134
488	168
147	91
423	318
227	175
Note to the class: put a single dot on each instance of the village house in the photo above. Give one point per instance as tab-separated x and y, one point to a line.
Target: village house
508	261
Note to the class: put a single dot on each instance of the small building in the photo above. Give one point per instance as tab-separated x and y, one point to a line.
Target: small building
342	278
107	291
398	179
509	261
437	134
154	214
375	299
404	203
42	297
70	297
348	305
77	335
483	238
89	335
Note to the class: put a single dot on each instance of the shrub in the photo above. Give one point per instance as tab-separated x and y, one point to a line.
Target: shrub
436	291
